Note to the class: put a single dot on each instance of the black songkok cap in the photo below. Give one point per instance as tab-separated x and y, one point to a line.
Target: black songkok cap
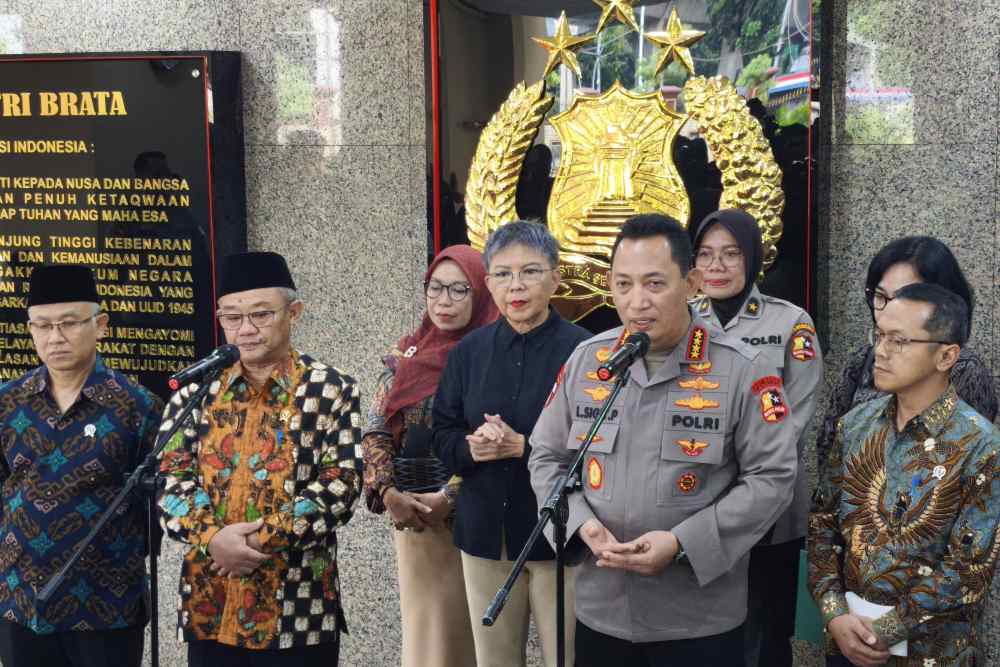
254	270
61	283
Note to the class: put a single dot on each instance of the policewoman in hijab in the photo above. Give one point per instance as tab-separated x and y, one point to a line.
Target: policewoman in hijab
402	476
730	253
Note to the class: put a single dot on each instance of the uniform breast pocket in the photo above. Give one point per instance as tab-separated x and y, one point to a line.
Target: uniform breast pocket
599	465
686	460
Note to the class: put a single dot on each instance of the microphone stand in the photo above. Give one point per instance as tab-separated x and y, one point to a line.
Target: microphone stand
144	478
556	510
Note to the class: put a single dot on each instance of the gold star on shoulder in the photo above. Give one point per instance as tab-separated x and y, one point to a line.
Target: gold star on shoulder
562	46
675	42
621	9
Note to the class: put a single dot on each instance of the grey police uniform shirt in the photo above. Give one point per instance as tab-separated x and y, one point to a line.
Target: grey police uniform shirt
703	449
785	334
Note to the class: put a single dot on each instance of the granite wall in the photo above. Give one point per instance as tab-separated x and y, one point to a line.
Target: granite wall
340	188
913	149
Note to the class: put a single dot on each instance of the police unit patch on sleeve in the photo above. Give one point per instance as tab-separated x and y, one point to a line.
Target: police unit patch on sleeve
772	403
555	387
595	474
802	326
697	344
803	347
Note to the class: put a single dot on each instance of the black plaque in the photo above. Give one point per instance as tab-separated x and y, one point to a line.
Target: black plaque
132	165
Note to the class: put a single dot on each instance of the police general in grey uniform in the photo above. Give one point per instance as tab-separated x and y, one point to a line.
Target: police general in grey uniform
695	464
729	252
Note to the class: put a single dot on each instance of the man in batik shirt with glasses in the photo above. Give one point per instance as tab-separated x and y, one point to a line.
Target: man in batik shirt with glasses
258	485
903	529
71	431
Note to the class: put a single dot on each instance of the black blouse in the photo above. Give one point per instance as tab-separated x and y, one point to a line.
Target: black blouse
495	370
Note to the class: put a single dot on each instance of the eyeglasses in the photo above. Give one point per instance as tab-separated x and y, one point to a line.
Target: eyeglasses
529	276
894	344
456	291
876	299
66	327
258	318
729	258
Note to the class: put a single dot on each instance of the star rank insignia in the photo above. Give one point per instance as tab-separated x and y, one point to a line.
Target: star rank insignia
697	343
753	307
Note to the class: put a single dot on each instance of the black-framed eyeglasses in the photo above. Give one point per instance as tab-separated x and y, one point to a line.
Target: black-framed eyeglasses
877	299
258	318
456	291
894	344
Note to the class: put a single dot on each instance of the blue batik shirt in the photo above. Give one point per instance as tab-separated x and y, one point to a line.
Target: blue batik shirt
58	473
908	519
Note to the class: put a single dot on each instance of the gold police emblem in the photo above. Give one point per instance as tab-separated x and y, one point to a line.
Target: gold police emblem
616	161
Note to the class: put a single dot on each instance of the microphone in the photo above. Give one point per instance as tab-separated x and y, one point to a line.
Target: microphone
221	357
634	347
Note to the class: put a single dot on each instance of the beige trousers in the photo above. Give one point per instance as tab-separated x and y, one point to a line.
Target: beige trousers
436	630
505	643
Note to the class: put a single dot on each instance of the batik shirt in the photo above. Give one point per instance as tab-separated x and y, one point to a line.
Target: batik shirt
288	453
59	471
908	519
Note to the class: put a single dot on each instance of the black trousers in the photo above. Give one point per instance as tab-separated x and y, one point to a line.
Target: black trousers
774	573
20	647
595	649
214	654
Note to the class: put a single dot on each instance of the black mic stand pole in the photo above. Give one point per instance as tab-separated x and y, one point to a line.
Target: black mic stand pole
556	510
143	478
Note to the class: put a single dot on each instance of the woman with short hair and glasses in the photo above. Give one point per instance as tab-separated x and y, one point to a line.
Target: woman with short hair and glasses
490	395
730	253
402	477
911	259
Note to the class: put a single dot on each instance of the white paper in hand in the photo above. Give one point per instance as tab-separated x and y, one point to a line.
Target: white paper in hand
862	607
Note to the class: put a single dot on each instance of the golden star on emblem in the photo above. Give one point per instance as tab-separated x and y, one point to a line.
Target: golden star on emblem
562	46
620	9
675	42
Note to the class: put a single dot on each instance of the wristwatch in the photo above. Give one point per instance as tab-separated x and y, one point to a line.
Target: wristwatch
681	557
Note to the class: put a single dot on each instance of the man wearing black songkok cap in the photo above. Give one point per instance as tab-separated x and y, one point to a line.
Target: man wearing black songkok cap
259	485
71	430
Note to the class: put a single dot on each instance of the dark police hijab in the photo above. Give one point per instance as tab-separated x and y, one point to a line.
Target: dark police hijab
745	230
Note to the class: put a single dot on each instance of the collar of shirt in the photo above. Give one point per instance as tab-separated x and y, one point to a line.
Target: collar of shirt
670	367
282	375
506	336
932	420
98	387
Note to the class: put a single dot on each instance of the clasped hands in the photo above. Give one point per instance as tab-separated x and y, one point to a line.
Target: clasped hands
495	440
648	555
236	550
